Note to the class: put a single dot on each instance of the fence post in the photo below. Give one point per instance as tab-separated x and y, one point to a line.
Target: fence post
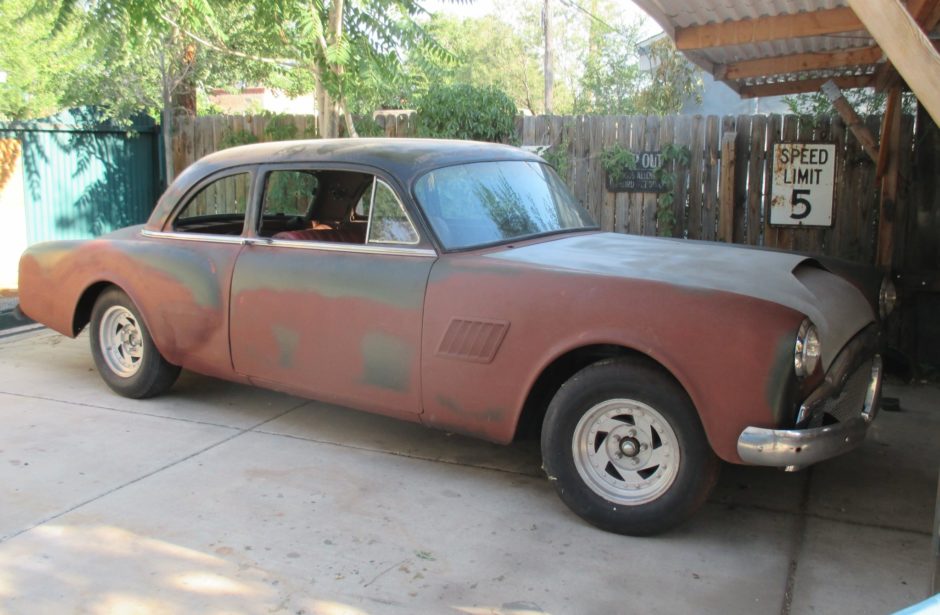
726	188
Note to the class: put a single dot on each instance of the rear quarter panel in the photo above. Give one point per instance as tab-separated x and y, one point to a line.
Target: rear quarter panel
181	289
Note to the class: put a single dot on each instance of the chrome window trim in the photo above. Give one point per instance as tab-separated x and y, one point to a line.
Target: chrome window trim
204	237
329	246
304	244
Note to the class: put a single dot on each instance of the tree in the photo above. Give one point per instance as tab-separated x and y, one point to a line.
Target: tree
145	54
33	60
865	101
484	51
344	46
612	77
670	81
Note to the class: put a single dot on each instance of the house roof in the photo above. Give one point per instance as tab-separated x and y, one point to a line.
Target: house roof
772	47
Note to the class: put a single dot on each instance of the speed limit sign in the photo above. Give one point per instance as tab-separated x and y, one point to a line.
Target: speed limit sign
801	194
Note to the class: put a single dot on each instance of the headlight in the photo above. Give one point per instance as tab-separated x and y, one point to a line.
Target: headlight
887	297
807	350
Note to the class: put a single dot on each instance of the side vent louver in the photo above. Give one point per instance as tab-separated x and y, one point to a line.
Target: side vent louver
474	340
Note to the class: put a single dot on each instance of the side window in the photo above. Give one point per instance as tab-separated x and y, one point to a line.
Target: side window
361	211
218	208
389	223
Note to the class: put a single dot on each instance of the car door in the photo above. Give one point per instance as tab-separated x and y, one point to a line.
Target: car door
186	268
328	295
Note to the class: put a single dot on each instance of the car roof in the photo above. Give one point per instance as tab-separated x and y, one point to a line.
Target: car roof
404	159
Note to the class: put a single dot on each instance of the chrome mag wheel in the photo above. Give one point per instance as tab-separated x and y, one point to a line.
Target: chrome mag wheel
121	341
626	452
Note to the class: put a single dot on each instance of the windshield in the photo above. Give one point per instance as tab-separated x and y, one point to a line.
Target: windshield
487	202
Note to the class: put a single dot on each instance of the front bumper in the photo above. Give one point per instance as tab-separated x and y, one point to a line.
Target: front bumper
796	448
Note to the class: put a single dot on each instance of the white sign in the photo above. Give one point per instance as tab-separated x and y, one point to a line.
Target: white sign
801	194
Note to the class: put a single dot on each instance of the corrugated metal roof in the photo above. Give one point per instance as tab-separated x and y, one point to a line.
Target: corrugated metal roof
676	15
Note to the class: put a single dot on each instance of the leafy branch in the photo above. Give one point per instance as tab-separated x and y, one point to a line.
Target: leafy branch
617	160
672	156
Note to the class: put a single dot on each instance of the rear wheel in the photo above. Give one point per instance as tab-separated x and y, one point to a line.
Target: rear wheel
625	449
123	350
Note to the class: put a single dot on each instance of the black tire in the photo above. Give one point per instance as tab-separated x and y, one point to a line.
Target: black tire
144	376
608	395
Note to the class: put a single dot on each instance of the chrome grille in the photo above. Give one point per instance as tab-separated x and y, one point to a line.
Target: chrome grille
851	401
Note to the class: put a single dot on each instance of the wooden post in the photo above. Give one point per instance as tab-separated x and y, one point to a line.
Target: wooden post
890	180
726	188
906	45
861	132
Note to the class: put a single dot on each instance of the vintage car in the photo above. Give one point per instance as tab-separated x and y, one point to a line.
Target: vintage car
460	285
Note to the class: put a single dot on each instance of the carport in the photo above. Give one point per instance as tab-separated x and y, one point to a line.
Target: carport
765	48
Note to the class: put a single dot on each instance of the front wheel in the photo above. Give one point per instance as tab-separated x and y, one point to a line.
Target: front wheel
124	352
625	449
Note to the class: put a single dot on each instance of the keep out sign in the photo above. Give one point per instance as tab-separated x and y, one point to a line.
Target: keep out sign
801	194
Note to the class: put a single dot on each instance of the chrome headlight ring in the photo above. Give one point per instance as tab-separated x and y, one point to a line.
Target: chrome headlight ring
887	297
807	350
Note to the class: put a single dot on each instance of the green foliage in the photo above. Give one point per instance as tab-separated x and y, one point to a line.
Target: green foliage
865	101
36	60
617	160
671	81
237	137
557	157
280	128
486	51
672	157
368	127
612	73
467	112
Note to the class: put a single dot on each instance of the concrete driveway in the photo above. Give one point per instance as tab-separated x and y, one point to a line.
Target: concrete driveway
218	498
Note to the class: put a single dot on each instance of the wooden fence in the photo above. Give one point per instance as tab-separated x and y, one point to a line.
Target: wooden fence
722	194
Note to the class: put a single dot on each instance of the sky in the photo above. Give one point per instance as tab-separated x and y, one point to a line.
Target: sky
477	8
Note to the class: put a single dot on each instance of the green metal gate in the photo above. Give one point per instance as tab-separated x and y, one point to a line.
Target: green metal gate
84	177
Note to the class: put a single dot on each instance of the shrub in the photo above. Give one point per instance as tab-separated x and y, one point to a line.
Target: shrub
467	112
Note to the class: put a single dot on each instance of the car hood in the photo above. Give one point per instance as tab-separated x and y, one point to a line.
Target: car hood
835	306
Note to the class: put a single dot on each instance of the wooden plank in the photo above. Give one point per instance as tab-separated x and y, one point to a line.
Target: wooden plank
867	210
189	151
710	183
852	120
742	149
667	136
906	45
726	187
842	191
782	88
770	28
891	109
696	166
651	199
904	204
786	236
818	239
199	134
619	132
178	145
634	217
889	182
807	239
764	135
607	134
781	65
683	137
